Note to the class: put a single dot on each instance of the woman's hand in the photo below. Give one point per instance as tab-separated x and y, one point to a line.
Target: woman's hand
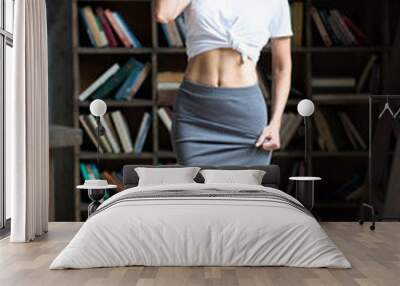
269	139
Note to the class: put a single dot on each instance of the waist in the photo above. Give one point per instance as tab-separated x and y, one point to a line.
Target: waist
222	67
189	87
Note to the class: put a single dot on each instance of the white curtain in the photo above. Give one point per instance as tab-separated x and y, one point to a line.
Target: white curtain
27	147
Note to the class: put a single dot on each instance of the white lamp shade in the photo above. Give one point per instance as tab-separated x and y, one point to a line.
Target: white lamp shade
305	107
98	107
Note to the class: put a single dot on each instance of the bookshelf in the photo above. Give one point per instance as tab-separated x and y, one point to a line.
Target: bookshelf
310	59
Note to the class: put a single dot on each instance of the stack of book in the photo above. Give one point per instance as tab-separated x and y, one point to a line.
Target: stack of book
167	85
297	12
90	171
117	138
333	84
290	124
337	29
337	132
174	32
121	82
106	28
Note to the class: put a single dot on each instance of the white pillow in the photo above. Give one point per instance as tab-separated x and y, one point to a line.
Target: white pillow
163	176
249	177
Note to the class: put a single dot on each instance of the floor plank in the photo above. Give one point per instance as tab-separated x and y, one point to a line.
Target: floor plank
375	257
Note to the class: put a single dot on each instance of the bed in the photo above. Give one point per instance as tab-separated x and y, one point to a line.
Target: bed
197	224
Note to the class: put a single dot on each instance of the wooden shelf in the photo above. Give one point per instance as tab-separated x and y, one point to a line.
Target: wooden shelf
121	104
339	154
85	155
340	98
105	51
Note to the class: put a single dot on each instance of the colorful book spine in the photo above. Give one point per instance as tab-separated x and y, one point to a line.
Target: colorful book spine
142	134
110	136
112	83
127	30
118	30
99	81
84	172
93	26
123	91
320	26
112	41
89	132
102	139
139	80
167	36
86	26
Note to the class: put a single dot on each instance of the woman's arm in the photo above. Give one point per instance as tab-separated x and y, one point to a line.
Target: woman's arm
282	73
167	10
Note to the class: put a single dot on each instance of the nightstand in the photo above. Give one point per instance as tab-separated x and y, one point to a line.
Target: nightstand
305	190
96	191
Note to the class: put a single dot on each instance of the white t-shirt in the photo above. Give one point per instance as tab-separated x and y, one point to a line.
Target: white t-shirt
244	25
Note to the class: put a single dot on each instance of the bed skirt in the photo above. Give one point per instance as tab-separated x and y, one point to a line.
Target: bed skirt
219	125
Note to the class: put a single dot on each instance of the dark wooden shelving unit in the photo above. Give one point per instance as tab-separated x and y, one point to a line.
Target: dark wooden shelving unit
310	56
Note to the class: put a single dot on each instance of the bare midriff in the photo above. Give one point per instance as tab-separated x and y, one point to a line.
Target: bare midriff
221	67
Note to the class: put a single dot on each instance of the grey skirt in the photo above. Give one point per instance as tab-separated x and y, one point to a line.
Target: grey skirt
218	125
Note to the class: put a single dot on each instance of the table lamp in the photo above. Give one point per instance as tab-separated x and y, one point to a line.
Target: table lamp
305	108
98	108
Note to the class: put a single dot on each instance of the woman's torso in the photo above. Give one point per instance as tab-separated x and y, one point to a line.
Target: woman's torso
215	27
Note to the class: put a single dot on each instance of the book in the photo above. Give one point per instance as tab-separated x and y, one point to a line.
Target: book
127	85
99	81
139	80
118	30
113	180
89	132
103	139
110	125
325	141
333	84
123	131
180	23
366	71
90	172
349	133
93	26
127	30
165	118
337	31
134	82
320	26
339	135
142	134
101	30
175	34
291	130
347	121
170	76
112	41
350	39
113	82
87	28
95	170
110	136
84	172
166	33
325	20
360	36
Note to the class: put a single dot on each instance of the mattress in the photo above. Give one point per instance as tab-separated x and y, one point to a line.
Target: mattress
201	225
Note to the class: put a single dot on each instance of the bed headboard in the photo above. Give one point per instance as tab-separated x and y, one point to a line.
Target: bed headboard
270	179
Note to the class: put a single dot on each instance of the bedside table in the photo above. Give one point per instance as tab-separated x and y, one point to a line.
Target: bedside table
305	190
95	193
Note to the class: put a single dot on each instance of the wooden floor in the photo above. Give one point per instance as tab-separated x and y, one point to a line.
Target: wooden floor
375	257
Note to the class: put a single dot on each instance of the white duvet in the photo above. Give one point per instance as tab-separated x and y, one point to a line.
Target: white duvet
200	231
